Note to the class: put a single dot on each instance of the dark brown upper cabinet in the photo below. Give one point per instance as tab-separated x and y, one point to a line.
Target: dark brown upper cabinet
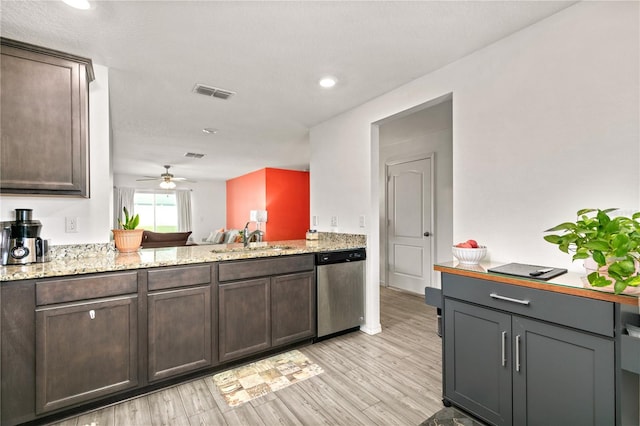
44	118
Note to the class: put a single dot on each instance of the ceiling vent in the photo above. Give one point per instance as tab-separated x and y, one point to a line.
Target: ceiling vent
193	155
214	92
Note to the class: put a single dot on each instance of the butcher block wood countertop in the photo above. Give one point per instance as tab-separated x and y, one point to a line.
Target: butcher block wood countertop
572	283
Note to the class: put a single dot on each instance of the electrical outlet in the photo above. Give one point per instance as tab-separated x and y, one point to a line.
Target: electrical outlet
314	220
363	222
70	224
334	220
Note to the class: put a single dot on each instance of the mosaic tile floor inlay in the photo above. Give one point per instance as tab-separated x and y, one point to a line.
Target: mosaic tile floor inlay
242	384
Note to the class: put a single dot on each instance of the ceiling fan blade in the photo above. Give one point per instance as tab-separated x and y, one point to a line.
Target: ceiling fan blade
148	178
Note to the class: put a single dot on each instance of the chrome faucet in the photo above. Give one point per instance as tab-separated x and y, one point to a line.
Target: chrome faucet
245	238
246	235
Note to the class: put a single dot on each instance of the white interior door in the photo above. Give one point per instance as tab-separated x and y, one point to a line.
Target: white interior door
409	204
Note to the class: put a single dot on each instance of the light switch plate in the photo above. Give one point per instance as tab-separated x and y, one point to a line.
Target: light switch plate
363	222
334	220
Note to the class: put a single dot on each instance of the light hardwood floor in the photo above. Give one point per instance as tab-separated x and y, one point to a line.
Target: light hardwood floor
392	378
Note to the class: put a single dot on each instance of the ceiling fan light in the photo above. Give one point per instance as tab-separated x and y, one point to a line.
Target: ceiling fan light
167	184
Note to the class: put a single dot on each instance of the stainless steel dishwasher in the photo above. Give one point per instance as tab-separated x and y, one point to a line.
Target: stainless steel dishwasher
340	283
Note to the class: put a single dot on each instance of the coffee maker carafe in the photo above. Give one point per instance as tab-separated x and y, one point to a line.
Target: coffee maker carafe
25	237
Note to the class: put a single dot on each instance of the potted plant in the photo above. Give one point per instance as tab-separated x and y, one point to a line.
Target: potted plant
127	238
611	243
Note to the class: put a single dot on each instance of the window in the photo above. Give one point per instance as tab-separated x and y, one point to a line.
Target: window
158	212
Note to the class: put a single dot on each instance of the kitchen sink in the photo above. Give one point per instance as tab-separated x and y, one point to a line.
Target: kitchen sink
251	247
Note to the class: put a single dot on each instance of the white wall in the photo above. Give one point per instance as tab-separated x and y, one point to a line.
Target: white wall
93	214
545	122
208	202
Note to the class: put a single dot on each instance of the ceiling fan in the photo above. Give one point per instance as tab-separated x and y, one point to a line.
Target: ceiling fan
166	179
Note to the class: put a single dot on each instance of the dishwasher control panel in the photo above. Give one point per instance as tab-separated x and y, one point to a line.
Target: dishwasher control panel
340	256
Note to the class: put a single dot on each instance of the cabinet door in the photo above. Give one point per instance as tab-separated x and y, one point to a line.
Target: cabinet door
244	318
562	376
45	127
179	331
477	374
293	314
84	351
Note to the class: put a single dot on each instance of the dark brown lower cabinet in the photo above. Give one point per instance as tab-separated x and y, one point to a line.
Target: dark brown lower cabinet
244	318
262	313
265	303
179	331
85	351
74	340
293	308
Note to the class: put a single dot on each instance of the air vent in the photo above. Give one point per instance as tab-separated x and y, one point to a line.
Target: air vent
193	155
214	92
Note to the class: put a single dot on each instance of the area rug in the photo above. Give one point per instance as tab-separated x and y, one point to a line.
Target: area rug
242	384
449	416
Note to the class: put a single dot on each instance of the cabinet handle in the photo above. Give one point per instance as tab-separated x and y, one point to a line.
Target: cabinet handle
504	348
518	353
509	299
92	314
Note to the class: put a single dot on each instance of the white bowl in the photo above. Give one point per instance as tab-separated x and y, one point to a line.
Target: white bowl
469	256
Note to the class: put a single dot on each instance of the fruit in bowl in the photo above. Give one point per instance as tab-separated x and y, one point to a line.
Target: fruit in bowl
469	252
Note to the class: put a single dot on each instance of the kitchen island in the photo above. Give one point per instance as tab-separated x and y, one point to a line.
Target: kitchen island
95	326
93	258
526	351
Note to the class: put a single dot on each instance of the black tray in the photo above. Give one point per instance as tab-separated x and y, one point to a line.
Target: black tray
525	271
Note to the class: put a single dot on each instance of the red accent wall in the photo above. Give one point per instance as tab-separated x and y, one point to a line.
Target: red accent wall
245	193
284	194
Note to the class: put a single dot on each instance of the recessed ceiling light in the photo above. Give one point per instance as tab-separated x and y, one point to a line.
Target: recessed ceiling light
327	82
78	4
210	130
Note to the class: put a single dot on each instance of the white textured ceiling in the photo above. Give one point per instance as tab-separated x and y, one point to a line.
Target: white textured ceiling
270	53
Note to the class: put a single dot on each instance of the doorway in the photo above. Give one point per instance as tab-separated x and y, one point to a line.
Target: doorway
423	132
409	224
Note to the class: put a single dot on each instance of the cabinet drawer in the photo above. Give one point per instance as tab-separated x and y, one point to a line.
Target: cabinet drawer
591	315
264	267
92	287
159	279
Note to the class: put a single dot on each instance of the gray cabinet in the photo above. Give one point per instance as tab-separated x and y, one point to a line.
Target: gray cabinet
507	365
179	321
558	373
265	303
45	121
478	371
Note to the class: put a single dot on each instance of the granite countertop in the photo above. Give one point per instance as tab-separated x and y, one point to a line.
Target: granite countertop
570	283
91	258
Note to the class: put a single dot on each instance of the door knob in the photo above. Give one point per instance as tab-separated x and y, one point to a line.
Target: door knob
427	234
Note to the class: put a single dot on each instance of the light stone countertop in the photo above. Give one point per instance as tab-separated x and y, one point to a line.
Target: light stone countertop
92	258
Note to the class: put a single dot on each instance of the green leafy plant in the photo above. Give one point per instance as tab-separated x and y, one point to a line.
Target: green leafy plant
612	242
130	222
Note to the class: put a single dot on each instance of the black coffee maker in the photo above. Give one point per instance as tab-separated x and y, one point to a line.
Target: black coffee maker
25	244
